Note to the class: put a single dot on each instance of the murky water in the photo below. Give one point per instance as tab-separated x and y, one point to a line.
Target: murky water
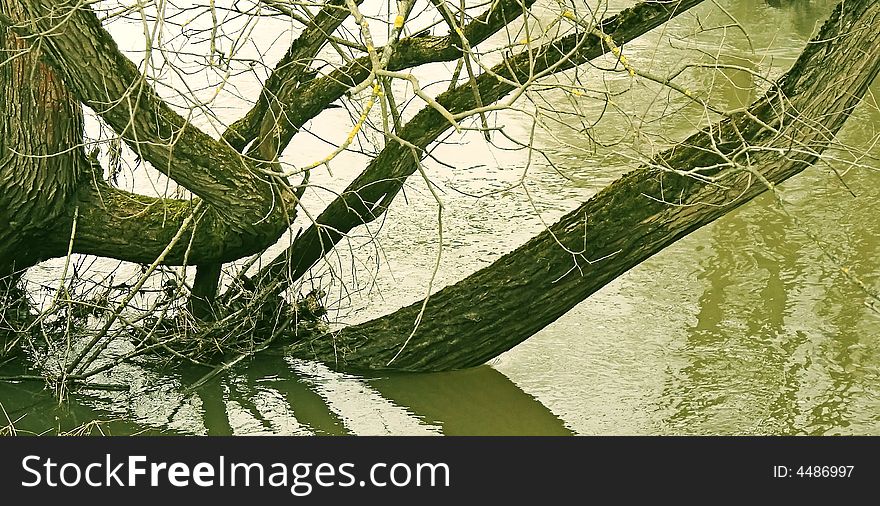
746	326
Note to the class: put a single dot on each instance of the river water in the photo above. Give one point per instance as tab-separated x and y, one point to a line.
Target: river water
747	326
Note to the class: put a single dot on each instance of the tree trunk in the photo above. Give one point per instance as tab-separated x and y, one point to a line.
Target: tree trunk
41	165
41	154
245	210
500	306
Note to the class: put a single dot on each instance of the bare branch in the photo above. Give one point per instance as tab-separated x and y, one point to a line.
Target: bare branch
370	194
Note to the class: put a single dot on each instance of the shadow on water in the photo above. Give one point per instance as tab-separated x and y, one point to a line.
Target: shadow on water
273	395
453	401
779	340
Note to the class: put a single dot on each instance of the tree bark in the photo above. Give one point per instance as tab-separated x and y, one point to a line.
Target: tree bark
498	307
247	209
241	196
41	156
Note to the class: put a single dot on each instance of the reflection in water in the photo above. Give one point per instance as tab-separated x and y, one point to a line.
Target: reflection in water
496	407
803	13
745	326
849	350
739	347
277	396
34	410
784	342
732	84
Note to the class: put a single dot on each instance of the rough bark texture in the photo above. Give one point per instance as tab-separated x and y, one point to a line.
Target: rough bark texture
502	305
104	80
254	207
41	158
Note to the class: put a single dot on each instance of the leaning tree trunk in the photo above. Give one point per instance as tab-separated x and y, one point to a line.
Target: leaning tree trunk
41	158
500	306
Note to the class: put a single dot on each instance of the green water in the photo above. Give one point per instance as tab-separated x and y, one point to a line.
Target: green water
747	326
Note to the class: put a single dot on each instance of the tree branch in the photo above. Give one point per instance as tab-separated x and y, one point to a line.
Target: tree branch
630	220
287	75
370	194
101	77
114	223
314	96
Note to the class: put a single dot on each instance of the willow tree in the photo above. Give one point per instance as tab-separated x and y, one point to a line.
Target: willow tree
243	185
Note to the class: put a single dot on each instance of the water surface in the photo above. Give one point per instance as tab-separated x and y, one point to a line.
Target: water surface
747	326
